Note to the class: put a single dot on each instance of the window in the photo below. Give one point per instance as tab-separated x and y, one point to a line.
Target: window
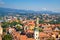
36	34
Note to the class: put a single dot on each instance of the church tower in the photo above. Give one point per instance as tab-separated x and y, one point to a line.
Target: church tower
36	31
1	30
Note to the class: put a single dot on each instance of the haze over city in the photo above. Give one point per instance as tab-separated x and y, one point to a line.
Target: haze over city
36	5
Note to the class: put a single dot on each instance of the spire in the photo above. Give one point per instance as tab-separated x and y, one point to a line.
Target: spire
37	22
36	31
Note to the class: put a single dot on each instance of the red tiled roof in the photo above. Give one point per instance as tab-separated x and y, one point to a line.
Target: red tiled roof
23	37
42	34
30	39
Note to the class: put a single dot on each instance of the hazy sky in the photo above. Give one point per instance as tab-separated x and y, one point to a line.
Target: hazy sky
37	5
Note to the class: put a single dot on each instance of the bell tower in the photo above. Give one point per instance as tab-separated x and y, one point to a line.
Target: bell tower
1	30
36	29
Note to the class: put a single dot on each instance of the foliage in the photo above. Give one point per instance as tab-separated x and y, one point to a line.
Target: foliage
51	38
5	24
54	22
40	30
7	37
13	23
4	29
18	28
41	21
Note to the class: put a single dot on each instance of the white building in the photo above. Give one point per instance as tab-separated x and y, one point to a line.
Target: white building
11	30
1	30
36	31
36	34
56	29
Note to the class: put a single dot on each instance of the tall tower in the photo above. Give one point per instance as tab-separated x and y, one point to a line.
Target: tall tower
1	30
36	31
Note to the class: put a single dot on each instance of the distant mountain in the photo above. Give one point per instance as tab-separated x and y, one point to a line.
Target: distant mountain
14	10
8	11
47	12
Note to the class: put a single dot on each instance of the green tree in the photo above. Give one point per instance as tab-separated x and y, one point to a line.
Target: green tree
41	21
4	29
54	22
13	23
18	28
5	24
40	30
51	38
7	37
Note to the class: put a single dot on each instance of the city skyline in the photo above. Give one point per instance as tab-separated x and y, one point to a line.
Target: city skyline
37	5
